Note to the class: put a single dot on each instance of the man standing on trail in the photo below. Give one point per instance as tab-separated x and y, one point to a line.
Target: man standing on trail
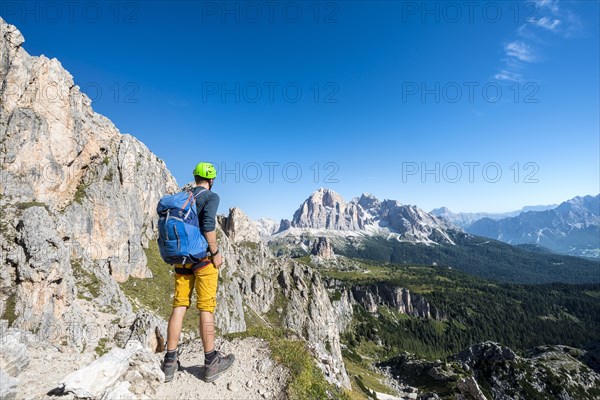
202	276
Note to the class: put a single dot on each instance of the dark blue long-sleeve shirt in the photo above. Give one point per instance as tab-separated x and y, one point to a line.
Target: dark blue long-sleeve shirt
207	204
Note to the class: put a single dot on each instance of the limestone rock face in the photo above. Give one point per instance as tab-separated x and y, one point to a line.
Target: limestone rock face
327	209
252	278
14	358
344	309
400	299
309	310
46	291
240	228
149	330
229	315
267	227
549	371
77	199
246	278
490	351
469	390
13	353
132	369
323	248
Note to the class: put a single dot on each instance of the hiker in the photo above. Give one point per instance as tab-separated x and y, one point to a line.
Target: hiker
201	275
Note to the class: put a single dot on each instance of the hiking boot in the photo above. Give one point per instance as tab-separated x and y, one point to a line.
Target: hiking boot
220	364
169	367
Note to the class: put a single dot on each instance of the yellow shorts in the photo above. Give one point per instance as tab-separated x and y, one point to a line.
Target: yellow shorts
204	279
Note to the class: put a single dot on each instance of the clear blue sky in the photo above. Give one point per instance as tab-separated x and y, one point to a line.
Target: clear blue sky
196	81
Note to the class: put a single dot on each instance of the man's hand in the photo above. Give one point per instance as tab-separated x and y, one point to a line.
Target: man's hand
211	238
217	260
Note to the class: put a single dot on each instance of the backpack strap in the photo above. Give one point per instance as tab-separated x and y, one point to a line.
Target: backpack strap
203	190
190	198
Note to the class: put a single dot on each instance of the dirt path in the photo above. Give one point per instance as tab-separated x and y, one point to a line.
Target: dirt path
253	376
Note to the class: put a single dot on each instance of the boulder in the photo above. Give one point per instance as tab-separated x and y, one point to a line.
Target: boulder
93	380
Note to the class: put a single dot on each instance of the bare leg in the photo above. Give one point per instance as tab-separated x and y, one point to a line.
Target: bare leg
174	328
207	330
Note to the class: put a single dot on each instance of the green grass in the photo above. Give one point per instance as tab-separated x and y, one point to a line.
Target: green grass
335	296
29	204
80	193
109	176
86	279
155	294
250	245
272	316
102	348
368	378
304	260
9	310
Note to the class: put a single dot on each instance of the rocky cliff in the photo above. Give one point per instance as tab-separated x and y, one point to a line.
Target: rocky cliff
256	282
77	197
490	371
400	299
374	296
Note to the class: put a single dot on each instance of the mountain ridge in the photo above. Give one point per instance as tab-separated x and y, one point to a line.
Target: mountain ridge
388	231
572	228
465	219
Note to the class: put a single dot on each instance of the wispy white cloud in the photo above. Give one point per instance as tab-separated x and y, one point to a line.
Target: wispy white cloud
551	21
519	50
510	76
548	23
551	5
551	16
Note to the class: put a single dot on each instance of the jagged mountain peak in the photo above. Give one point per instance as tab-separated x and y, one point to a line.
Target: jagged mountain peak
440	211
327	197
326	209
368	201
582	204
239	227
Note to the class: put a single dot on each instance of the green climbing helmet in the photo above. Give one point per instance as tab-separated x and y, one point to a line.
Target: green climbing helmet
205	170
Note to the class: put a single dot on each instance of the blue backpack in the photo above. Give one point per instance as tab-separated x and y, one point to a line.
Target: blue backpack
180	239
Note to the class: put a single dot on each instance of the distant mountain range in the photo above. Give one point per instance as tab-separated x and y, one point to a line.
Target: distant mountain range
465	219
389	231
571	228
